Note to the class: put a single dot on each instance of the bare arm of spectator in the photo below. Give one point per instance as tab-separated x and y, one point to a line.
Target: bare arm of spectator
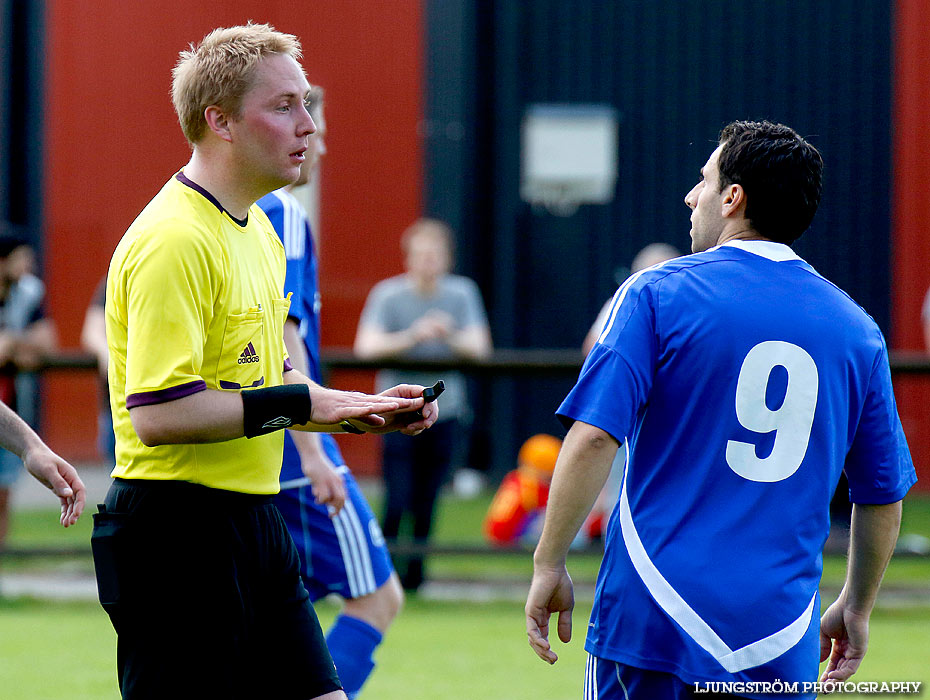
473	342
94	336
373	342
34	343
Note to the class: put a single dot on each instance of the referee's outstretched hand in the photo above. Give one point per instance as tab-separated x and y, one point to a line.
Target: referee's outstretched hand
412	418
330	406
59	476
551	592
411	421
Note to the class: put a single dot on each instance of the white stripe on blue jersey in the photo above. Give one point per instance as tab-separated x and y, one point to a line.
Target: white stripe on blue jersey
620	295
293	222
733	660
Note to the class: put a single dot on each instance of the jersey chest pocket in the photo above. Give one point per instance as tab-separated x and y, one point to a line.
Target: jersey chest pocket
281	307
240	365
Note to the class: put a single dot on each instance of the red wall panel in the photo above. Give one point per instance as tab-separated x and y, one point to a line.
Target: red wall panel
911	217
911	186
113	139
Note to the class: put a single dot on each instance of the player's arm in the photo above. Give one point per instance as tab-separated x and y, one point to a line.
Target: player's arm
328	487
46	466
844	627
580	472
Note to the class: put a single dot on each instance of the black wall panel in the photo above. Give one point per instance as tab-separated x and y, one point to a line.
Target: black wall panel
22	102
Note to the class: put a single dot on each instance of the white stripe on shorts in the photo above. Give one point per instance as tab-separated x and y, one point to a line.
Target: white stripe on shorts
355	555
590	678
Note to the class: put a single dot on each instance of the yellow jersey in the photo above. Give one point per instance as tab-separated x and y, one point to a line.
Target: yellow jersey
194	302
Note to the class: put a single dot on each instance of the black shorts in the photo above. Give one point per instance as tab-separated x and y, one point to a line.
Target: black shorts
203	588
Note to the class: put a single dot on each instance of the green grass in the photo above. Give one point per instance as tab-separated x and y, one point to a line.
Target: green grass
435	650
50	651
458	522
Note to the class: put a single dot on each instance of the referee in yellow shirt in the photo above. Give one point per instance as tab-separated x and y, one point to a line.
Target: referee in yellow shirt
194	563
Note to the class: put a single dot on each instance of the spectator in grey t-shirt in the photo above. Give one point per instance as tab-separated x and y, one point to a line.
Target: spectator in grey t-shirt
426	313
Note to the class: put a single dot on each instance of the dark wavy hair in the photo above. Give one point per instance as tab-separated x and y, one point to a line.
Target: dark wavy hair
779	171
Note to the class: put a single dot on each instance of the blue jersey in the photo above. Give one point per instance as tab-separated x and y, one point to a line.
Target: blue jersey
745	382
293	228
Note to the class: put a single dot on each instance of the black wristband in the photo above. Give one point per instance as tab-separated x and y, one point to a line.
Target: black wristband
275	408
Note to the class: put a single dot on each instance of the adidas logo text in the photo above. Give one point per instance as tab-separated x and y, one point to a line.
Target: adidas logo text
248	355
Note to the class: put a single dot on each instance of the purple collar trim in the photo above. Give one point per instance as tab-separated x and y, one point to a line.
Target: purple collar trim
184	180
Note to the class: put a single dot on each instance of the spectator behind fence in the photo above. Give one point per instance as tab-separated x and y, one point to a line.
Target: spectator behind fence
516	513
425	314
26	335
94	340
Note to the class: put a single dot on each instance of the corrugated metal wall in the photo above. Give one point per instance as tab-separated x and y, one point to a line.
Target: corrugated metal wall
21	118
676	71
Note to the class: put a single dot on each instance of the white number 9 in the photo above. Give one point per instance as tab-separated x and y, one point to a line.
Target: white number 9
792	421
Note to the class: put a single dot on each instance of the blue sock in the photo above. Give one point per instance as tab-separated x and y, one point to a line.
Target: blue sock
351	643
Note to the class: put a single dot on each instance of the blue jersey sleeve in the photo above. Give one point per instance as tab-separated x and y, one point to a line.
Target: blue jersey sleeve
293	284
617	376
288	223
879	466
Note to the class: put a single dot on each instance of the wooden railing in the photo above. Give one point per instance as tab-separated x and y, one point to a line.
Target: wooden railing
507	362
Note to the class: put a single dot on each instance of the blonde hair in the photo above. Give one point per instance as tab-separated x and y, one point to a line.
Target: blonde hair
219	71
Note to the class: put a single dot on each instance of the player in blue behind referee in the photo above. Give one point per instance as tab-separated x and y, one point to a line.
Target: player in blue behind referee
744	383
194	563
341	547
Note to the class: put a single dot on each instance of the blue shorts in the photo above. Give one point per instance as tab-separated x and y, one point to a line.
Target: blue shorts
610	680
345	554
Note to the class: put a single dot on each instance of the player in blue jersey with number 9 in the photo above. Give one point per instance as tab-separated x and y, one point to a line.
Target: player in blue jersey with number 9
744	383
